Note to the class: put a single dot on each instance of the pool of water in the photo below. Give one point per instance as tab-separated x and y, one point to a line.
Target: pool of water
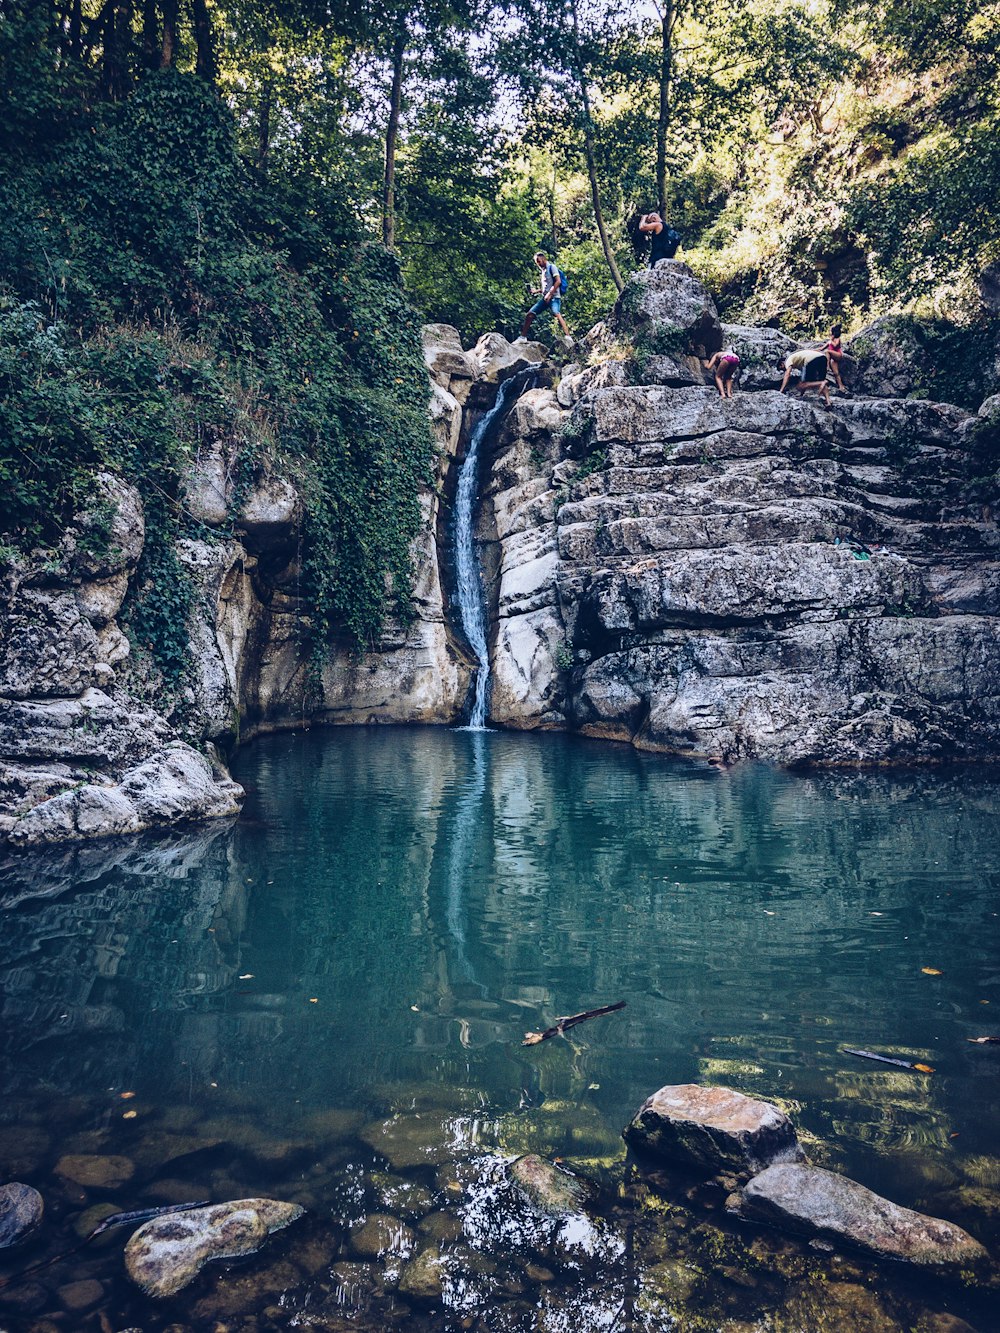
324	1002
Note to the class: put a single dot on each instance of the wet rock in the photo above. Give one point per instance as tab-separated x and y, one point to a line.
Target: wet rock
21	1209
166	1253
551	1190
382	1235
442	1227
422	1280
815	1202
668	302
79	1296
85	1223
713	1129
833	1307
404	1198
23	1149
408	1141
94	1171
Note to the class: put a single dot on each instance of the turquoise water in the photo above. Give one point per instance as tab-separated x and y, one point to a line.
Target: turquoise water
393	911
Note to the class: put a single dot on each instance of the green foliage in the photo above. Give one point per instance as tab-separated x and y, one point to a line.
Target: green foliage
160	298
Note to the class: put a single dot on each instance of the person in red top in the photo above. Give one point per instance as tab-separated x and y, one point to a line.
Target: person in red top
835	352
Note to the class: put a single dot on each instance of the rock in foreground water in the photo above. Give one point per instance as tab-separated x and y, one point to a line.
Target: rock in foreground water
21	1210
166	1253
713	1128
553	1191
809	1200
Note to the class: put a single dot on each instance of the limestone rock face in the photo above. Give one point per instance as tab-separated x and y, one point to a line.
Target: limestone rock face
166	1253
713	1129
667	302
756	577
888	359
820	1203
497	359
762	354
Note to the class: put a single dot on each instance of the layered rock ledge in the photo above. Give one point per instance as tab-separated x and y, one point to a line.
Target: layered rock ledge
756	577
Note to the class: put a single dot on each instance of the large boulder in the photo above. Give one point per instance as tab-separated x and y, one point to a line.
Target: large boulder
166	1253
497	359
762	354
713	1129
448	365
814	1202
668	312
889	359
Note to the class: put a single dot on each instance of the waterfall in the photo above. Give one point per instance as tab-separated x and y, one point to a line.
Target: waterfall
471	601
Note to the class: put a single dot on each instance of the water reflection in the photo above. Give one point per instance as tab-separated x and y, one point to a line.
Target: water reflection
396	907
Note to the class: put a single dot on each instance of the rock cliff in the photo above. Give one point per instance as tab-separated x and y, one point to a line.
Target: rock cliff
753	577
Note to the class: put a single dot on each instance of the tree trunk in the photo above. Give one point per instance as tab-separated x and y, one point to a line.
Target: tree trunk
168	47
150	35
667	20
204	43
264	126
391	135
76	29
588	149
115	75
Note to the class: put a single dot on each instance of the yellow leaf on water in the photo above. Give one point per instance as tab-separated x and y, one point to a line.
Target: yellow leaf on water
925	1069
932	972
129	1115
126	1095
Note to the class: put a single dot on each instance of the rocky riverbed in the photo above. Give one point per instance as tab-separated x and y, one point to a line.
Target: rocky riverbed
426	1217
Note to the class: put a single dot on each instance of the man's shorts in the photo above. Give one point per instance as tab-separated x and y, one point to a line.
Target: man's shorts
541	305
815	371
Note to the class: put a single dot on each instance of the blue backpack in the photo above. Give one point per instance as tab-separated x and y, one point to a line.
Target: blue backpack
563	283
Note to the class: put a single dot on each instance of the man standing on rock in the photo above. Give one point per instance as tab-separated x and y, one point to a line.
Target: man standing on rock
551	295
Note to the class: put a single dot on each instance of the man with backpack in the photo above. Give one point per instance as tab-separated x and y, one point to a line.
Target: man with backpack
552	288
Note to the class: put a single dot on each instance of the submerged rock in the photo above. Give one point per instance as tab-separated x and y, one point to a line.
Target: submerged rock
713	1129
422	1279
810	1200
166	1253
21	1209
553	1191
96	1171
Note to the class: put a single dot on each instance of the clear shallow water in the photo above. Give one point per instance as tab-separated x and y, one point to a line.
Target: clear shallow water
374	936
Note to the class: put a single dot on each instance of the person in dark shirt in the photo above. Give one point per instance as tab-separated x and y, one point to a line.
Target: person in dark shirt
663	239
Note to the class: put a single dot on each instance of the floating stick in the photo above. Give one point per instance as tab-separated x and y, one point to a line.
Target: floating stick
562	1024
891	1060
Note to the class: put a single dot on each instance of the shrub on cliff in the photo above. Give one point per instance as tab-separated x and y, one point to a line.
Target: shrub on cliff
157	293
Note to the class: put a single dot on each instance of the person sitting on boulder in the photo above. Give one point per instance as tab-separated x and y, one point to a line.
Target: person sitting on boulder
551	293
724	366
812	364
665	240
835	352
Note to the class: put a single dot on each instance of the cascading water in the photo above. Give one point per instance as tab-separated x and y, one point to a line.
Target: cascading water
471	601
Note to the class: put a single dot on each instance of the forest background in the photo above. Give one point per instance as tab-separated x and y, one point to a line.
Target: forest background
226	219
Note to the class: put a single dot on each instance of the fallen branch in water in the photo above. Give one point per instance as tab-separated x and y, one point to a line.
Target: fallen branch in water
985	1041
891	1060
115	1220
562	1024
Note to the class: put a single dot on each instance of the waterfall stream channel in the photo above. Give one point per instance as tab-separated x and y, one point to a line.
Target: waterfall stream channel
469	580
